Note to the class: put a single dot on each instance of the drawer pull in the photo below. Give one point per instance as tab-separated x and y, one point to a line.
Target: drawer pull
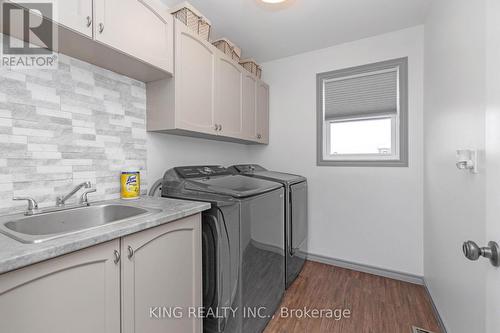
117	256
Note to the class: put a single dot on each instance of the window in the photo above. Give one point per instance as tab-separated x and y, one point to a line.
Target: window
362	115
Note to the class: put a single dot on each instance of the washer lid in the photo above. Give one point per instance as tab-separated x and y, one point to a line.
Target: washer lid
256	170
235	185
284	178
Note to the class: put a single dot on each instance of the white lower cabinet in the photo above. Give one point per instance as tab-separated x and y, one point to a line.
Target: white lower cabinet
83	291
77	293
161	274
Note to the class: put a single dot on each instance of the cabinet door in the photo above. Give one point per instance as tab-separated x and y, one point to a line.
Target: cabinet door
77	293
194	82
249	106
262	116
74	14
136	27
228	112
162	268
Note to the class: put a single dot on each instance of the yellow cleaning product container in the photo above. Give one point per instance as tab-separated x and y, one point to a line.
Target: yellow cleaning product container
130	184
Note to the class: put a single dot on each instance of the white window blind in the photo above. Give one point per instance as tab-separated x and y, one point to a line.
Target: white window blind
361	95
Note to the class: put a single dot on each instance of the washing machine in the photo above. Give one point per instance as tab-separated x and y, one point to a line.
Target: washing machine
243	244
295	214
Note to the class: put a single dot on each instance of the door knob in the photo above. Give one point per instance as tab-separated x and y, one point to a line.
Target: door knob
472	252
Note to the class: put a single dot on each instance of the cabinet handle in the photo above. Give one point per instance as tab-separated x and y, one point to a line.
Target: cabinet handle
130	252
101	28
220	127
259	136
89	21
217	127
117	256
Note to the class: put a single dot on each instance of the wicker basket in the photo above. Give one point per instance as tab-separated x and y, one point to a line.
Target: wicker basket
228	48
193	19
251	66
259	72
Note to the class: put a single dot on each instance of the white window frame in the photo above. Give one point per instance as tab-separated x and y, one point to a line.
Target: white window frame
399	120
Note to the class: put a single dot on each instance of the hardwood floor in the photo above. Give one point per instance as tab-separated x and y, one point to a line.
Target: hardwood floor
376	304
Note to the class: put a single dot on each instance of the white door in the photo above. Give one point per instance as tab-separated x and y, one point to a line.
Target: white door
262	115
161	267
462	111
77	293
194	82
249	100
492	122
139	28
228	112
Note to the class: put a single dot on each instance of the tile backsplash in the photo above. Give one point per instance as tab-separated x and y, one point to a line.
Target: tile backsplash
61	127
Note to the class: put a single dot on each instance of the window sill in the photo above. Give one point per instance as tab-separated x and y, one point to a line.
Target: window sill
363	163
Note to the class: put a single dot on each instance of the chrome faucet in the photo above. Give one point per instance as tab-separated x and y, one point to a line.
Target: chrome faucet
84	200
61	200
32	205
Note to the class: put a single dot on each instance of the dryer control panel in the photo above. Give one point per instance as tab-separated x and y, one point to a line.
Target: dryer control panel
202	171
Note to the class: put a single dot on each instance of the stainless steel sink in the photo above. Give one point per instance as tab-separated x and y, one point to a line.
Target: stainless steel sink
50	225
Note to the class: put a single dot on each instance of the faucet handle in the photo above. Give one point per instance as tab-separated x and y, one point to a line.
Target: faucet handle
32	204
84	200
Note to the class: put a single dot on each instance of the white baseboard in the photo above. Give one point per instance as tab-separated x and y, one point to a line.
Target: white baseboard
406	277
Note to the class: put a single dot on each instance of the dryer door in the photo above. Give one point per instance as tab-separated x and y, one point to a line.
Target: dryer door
210	238
221	268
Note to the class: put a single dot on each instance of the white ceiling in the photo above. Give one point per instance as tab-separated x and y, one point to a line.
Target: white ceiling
266	32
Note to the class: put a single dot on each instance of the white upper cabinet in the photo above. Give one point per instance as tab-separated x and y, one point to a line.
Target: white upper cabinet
73	14
136	27
129	37
262	116
194	82
249	106
228	110
210	96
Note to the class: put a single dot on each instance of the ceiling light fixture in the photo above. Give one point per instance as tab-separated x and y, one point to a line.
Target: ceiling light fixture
273	1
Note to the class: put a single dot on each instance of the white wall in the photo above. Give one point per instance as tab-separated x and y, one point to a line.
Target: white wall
168	151
455	201
366	215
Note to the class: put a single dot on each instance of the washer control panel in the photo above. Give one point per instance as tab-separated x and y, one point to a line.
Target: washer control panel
248	168
202	171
